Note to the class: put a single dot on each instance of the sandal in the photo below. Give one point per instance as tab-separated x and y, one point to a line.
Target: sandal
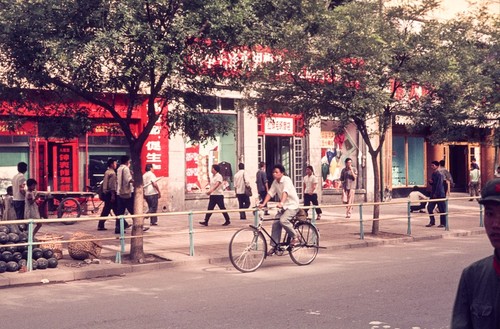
295	241
271	251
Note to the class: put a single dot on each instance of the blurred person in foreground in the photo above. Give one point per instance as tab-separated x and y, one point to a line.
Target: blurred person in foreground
477	304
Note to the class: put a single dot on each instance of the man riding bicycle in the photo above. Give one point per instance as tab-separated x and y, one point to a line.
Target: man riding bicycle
289	204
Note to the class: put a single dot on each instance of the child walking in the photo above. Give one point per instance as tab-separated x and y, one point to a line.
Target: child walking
31	209
9	212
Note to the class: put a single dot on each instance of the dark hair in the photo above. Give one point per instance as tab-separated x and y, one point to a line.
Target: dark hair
148	167
436	163
110	162
30	182
415	188
10	190
311	168
262	164
241	166
216	168
347	159
22	167
124	159
442	163
279	167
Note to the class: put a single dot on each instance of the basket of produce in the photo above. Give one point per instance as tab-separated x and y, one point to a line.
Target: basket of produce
52	241
82	246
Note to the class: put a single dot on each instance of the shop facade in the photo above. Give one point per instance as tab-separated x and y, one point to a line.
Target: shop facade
77	163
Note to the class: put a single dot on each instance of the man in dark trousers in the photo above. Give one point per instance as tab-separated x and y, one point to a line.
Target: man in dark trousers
437	183
19	189
262	183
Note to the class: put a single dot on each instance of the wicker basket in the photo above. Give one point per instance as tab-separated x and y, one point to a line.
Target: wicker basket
81	250
51	241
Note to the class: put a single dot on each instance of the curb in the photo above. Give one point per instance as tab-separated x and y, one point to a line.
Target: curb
92	271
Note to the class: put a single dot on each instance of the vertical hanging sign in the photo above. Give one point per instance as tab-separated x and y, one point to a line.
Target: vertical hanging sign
64	167
155	151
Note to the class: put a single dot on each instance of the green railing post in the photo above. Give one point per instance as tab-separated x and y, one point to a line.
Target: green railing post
118	258
447	227
361	229
256	217
481	220
29	260
313	217
191	234
408	230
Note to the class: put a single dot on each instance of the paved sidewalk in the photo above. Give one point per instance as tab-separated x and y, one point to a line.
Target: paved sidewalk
170	240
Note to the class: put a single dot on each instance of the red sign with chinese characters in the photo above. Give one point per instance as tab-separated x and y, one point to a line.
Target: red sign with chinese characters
64	167
155	150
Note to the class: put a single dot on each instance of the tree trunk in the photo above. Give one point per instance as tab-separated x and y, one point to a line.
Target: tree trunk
376	192
137	243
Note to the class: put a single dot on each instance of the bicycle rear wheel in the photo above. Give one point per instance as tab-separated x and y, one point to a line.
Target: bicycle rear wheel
69	208
305	252
247	249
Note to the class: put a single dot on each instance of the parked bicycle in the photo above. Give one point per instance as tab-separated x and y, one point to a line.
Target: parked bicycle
248	246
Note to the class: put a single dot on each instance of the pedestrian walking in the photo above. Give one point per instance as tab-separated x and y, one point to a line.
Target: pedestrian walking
124	191
437	183
448	179
216	193
348	178
475	177
310	182
31	210
109	184
19	189
151	193
241	182
262	184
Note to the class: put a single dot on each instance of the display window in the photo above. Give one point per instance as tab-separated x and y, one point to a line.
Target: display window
336	146
408	161
201	156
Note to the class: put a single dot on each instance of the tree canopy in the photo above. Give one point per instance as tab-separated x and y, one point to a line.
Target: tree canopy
94	50
360	63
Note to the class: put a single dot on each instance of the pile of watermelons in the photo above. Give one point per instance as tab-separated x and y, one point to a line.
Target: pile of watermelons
13	258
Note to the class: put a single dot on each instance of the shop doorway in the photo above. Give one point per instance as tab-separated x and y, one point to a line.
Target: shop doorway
289	152
459	167
278	150
56	165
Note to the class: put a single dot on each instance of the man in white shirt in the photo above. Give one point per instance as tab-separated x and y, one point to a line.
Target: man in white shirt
19	189
151	193
216	196
310	182
289	204
125	198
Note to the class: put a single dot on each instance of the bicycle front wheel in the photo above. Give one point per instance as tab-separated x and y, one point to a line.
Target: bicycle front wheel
305	252
247	249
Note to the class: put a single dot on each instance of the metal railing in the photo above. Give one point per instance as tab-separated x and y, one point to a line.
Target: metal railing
31	243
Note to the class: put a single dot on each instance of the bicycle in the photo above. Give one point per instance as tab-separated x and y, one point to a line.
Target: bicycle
248	246
92	205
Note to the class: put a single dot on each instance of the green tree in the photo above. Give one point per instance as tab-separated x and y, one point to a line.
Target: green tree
93	50
356	63
465	100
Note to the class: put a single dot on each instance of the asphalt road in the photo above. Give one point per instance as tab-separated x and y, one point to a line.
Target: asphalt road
406	286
